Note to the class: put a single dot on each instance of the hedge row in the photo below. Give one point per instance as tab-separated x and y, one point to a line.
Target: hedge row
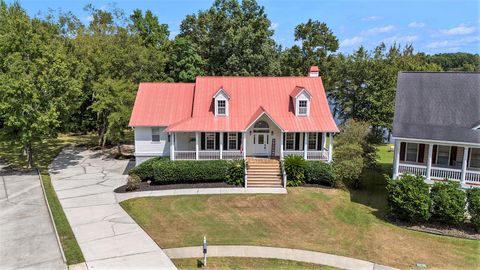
300	171
164	171
410	199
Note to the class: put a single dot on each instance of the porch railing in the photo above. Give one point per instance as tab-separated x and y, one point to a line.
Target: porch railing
412	169
442	173
232	154
208	155
317	155
287	153
472	177
184	155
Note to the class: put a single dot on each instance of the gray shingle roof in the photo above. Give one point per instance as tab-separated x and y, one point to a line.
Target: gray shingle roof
443	106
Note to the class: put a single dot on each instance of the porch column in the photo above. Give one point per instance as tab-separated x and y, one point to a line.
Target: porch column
197	139
324	146
172	146
244	143
281	145
305	144
396	158
221	145
330	147
429	160
464	164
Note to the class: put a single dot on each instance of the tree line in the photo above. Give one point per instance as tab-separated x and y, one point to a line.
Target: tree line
59	74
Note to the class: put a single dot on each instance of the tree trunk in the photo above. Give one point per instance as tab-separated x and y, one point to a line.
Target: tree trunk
119	149
28	149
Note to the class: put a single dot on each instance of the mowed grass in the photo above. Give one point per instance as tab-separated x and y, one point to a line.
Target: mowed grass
327	220
246	263
44	153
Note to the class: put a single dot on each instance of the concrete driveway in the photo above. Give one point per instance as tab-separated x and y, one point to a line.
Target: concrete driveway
27	237
109	238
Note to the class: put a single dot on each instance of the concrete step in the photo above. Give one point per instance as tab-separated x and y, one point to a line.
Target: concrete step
265	185
264	175
266	180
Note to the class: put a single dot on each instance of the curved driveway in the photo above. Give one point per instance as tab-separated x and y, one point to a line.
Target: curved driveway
84	181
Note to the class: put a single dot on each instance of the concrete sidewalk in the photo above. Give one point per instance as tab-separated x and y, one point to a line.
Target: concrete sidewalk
109	238
198	191
276	253
27	236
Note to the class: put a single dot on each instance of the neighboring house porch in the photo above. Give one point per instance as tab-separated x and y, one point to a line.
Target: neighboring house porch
438	161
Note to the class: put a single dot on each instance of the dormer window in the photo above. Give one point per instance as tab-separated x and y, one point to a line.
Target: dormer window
301	100
221	107
221	99
302	107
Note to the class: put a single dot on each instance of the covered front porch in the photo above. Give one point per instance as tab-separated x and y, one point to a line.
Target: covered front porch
262	139
436	161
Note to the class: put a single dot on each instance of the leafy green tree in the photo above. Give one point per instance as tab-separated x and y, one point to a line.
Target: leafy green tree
456	61
152	32
234	38
41	81
292	62
184	62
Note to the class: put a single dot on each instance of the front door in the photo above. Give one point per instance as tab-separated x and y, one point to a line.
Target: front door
261	144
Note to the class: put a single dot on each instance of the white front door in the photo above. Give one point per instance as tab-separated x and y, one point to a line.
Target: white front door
261	144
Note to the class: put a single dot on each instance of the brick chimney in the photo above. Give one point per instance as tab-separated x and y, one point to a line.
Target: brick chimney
313	71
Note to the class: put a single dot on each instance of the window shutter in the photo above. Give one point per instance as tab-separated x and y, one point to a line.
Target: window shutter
225	140
421	152
217	141
297	141
453	155
284	141
239	142
403	146
434	154
202	141
319	141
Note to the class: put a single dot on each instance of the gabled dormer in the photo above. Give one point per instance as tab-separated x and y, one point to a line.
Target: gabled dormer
301	101
221	99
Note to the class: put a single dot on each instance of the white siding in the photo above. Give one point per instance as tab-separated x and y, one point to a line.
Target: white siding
144	147
276	135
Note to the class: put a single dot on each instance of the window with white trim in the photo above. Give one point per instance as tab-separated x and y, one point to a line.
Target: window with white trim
302	107
312	141
210	140
412	152
221	107
289	141
443	154
232	141
475	158
155	134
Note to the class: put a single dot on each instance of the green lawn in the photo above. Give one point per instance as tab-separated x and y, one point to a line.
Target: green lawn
44	153
245	263
326	220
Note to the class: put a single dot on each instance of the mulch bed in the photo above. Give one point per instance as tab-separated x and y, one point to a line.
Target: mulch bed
144	186
464	230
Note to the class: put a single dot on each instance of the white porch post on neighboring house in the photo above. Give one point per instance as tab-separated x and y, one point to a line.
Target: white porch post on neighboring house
464	164
244	143
429	161
197	139
172	146
305	144
221	145
330	147
396	158
281	145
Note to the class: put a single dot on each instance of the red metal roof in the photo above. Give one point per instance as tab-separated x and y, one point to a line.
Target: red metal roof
162	104
247	95
314	69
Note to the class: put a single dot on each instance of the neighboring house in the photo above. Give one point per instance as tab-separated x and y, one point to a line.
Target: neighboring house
233	118
437	126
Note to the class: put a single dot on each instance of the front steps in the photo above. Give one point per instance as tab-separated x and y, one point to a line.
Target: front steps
264	173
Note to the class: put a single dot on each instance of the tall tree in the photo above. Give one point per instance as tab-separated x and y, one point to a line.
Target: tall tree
40	80
184	63
234	38
148	27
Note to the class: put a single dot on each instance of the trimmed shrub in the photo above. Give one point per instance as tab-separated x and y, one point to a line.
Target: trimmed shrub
189	171
408	198
145	169
236	172
295	169
319	172
133	182
473	200
448	202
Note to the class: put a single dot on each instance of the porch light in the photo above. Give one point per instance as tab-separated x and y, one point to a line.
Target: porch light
272	132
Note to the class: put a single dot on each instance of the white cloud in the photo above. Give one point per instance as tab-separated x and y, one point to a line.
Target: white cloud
459	30
377	30
453	43
416	24
350	42
371	18
400	39
274	26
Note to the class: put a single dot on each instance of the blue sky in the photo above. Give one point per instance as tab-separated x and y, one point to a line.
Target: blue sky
432	26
